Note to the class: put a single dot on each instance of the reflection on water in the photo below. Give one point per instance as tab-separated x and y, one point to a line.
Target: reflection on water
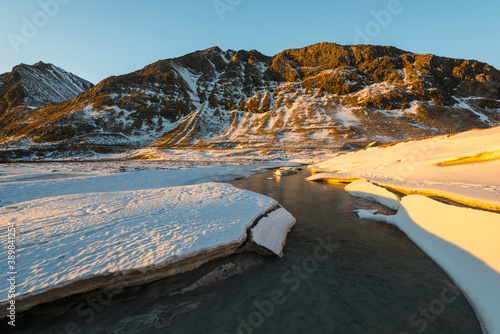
338	275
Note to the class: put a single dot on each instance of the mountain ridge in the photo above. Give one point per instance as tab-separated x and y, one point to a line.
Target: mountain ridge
323	95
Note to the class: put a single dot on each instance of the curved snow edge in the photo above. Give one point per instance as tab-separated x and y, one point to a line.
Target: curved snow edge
407	190
369	191
466	249
462	241
271	231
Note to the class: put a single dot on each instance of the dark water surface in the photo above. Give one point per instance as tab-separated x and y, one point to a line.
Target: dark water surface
338	275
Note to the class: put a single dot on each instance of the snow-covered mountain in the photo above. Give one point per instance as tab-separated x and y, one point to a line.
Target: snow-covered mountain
28	87
38	85
324	95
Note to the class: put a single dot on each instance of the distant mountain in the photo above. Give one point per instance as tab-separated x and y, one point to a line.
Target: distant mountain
28	87
38	85
324	95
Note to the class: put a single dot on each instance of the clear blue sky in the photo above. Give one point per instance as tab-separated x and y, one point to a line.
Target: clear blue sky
97	39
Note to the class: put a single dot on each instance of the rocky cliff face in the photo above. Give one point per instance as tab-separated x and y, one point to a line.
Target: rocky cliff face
324	95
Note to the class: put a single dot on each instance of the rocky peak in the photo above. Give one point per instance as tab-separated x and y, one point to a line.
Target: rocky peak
38	85
214	49
339	69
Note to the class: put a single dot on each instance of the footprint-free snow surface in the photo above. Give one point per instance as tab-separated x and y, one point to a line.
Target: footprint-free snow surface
75	238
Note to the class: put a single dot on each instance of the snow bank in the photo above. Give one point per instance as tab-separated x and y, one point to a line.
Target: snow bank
271	230
67	244
367	190
463	241
463	167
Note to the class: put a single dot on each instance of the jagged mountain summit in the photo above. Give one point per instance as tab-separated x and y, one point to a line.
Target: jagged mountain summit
324	95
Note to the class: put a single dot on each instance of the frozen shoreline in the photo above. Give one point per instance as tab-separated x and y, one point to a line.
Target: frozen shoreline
469	254
109	229
378	265
463	241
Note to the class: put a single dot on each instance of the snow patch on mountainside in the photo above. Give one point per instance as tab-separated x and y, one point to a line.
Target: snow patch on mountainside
462	103
381	88
189	78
